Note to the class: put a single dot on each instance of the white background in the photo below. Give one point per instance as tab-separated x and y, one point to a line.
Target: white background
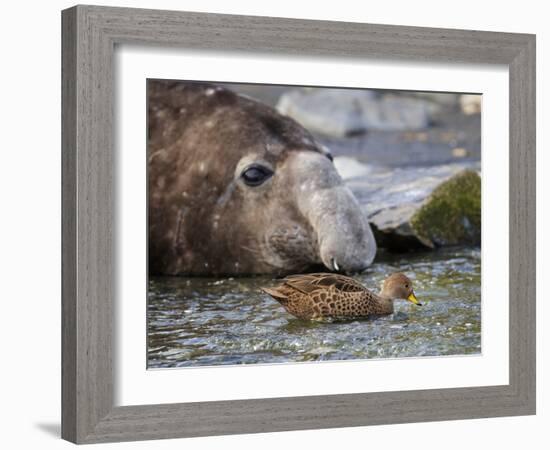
135	386
30	225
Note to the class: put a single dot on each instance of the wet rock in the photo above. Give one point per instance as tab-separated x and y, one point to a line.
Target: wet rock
418	207
341	112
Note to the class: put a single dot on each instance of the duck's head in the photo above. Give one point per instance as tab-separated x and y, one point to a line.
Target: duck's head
398	285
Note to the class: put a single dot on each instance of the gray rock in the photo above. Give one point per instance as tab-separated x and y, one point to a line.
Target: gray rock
418	207
397	113
346	112
447	99
334	112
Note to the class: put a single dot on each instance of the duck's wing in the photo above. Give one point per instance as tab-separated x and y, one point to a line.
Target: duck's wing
312	282
276	293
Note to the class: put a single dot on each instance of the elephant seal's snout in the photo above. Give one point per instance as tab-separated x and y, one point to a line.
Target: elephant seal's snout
347	251
345	239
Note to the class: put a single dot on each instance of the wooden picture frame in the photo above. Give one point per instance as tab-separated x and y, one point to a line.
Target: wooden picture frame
90	34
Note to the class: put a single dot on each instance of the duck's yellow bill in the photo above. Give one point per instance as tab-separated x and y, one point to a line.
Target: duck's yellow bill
412	298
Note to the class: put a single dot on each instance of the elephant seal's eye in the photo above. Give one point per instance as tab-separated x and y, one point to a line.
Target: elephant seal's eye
255	175
330	157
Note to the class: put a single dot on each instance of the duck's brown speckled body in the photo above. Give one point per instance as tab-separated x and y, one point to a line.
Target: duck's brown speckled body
327	295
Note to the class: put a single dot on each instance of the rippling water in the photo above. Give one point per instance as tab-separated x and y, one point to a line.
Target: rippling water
207	321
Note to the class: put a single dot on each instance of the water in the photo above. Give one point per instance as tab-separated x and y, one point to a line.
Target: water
208	321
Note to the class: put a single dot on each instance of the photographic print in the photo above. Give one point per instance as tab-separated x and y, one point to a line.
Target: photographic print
293	224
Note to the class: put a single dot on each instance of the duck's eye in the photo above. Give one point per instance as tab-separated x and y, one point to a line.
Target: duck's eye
406	286
256	174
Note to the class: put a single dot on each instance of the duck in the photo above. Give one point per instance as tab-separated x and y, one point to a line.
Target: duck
319	296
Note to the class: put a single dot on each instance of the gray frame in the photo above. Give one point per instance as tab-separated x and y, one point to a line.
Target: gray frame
90	34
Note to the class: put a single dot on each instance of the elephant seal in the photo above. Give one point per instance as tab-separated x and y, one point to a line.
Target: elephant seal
236	188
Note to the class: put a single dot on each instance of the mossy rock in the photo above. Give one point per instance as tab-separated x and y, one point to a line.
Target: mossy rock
418	208
451	215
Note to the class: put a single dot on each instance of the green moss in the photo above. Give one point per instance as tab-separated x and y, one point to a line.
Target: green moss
452	213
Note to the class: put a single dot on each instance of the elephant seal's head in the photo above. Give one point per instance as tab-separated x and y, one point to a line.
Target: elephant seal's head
237	188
